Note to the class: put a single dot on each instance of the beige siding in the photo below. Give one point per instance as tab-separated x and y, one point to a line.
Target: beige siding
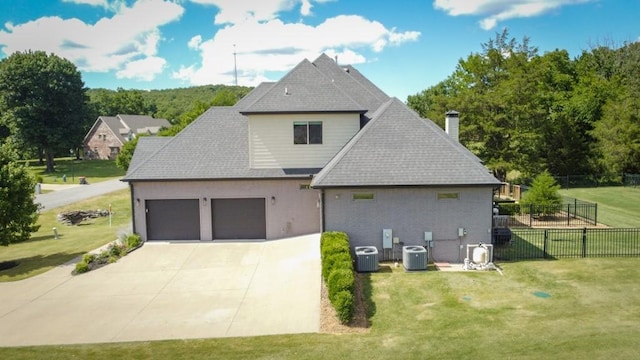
292	212
271	140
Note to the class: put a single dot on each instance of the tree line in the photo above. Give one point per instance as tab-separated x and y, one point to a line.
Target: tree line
46	110
523	113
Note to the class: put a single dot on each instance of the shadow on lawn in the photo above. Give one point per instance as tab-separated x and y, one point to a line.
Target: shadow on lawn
35	263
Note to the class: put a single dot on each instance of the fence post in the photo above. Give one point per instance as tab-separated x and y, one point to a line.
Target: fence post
530	215
568	214
595	215
544	245
584	242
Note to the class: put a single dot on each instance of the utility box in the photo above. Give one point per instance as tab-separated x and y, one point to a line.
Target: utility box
387	239
366	258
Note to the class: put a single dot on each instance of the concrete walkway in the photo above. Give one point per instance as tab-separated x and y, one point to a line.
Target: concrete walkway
171	291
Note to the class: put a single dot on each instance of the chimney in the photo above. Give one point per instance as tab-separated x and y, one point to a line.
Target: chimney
451	124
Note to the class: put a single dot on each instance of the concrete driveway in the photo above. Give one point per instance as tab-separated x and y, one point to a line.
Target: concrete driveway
171	291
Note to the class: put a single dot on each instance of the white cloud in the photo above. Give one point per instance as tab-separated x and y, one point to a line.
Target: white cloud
195	42
112	5
500	10
280	46
145	69
238	11
131	35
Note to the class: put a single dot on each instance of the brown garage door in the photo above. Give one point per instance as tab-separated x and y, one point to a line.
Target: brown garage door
173	219
238	218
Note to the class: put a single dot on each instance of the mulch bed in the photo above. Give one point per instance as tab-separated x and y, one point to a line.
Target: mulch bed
329	322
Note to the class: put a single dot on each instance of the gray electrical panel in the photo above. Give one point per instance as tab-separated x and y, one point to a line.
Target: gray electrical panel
387	239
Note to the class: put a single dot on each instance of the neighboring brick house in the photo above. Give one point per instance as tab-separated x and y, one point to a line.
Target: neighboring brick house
109	133
321	149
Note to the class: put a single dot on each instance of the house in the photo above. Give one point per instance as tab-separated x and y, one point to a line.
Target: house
109	133
321	149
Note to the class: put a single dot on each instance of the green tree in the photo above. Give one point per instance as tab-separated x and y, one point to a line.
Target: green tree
42	102
18	212
124	157
543	194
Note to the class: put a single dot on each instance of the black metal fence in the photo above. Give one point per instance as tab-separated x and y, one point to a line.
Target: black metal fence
571	213
569	243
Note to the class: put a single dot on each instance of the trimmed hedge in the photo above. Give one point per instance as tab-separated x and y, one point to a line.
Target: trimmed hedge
337	271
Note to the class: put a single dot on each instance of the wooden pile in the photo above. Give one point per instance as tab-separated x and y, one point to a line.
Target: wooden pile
75	217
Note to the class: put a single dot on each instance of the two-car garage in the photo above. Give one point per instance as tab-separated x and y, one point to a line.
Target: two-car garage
179	219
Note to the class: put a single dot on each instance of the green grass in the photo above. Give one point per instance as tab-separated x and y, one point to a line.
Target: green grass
93	170
617	206
42	252
591	313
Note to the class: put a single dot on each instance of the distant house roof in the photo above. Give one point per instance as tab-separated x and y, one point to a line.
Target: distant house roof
398	148
121	125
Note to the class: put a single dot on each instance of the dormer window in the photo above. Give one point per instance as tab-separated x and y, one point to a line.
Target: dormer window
307	132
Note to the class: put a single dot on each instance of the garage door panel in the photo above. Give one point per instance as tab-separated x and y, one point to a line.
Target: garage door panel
239	218
177	219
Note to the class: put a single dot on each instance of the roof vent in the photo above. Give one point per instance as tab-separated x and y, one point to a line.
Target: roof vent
286	91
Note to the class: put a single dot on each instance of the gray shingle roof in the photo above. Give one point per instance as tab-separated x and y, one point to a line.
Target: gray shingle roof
147	146
364	93
398	148
304	89
214	146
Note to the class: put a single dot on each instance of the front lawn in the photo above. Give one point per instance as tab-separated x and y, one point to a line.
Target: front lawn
42	252
568	309
617	206
93	170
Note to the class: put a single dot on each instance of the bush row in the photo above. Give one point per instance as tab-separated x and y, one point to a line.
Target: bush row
337	271
109	255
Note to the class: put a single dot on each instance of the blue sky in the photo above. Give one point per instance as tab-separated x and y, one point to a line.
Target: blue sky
403	46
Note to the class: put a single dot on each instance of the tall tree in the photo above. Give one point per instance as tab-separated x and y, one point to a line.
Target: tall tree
18	212
42	102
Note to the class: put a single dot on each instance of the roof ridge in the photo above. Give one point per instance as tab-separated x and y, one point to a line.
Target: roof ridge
172	139
351	143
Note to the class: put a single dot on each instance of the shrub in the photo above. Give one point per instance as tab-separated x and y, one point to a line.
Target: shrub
509	209
333	242
88	258
335	261
340	280
82	267
133	241
115	250
344	306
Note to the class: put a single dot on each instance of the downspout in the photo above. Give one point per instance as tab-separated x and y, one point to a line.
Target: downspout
133	208
322	219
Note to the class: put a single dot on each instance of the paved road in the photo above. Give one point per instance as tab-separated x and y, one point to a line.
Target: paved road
77	193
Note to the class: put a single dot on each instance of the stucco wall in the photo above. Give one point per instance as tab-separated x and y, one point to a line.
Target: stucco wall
294	211
410	212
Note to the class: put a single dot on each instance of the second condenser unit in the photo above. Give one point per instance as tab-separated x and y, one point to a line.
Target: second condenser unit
414	258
